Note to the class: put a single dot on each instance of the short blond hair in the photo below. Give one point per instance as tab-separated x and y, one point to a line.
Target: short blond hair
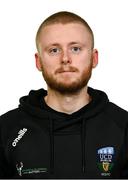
63	17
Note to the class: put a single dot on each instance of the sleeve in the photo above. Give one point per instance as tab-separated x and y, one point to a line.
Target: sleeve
124	171
4	167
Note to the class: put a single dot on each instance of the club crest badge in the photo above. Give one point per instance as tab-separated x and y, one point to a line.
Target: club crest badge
105	160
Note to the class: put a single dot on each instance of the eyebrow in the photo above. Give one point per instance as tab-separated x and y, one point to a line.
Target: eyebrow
77	42
71	43
49	45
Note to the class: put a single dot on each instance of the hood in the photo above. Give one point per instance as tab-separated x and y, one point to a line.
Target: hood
34	105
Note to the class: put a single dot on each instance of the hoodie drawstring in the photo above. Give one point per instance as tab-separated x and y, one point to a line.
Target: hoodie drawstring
51	147
83	144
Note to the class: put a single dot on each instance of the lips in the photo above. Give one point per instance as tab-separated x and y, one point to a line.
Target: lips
66	71
62	70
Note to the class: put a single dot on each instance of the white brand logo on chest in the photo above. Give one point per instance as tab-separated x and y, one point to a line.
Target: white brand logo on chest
20	135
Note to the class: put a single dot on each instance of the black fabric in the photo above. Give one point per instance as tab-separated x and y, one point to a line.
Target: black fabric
38	142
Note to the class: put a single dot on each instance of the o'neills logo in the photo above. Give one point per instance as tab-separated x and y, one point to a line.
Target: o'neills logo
20	135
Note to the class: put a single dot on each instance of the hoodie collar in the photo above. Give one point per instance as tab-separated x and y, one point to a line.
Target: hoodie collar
36	106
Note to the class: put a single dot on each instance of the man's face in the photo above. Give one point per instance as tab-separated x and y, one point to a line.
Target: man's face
65	57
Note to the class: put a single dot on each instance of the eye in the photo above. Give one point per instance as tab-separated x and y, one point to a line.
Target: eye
54	50
75	49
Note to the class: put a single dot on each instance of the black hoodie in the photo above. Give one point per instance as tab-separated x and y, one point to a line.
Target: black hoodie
39	142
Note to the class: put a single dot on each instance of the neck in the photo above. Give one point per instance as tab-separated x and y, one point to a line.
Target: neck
67	103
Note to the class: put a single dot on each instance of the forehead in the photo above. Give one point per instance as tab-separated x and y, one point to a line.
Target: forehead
64	33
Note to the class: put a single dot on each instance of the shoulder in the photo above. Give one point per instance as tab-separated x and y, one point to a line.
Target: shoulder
116	110
117	114
10	116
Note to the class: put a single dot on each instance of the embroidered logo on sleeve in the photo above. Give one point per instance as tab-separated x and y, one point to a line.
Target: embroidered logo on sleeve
20	135
22	171
105	160
19	168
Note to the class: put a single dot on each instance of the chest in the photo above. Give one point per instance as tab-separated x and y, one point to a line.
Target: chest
31	154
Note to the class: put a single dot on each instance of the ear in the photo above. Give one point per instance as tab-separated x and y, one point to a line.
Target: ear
38	62
95	57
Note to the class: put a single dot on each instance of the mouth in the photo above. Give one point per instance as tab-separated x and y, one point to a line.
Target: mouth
66	71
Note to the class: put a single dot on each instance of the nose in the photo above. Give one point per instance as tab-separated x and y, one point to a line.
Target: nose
66	59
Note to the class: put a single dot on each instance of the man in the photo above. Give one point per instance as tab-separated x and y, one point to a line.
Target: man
70	130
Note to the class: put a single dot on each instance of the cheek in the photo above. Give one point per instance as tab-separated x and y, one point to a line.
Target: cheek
48	68
83	61
47	63
50	63
88	60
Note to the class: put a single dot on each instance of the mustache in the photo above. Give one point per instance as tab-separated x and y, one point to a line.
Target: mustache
68	69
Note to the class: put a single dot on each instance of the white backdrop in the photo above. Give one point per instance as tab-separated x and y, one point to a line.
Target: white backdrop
19	21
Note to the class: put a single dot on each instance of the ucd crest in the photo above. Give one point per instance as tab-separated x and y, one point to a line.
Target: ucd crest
105	166
105	160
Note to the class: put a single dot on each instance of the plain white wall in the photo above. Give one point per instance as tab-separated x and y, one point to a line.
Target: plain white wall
19	21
